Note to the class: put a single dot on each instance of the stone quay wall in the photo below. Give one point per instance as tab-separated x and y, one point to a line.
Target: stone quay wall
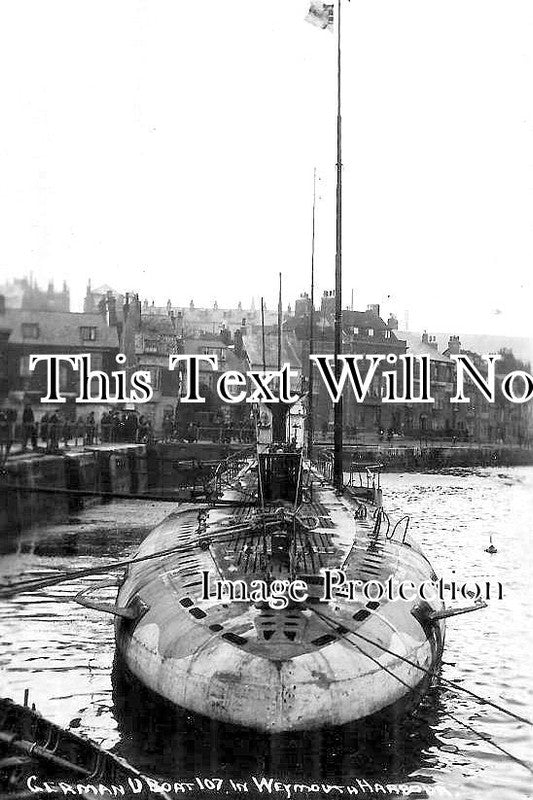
38	490
41	489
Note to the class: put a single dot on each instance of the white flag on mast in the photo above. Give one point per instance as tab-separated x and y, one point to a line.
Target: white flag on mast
320	14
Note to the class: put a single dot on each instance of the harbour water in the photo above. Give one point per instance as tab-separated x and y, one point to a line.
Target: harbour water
64	653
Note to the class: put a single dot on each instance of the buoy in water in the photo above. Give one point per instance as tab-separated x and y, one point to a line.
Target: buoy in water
491	548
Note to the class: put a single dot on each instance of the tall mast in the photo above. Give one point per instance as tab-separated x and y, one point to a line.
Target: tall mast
337	427
280	315
310	409
279	411
263	333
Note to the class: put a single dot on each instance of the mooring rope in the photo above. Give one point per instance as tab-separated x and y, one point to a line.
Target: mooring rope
34	584
334	625
15	487
454	685
223	536
486	738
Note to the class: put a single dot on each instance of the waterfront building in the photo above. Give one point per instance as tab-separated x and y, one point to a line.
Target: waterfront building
363	333
149	335
440	418
198	321
25	294
502	421
147	341
27	332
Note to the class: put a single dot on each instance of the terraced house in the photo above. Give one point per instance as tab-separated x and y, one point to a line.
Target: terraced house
28	332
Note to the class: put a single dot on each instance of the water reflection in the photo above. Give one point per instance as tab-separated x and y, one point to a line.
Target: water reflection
64	653
175	742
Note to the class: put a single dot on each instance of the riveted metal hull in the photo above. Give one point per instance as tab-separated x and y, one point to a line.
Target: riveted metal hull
275	670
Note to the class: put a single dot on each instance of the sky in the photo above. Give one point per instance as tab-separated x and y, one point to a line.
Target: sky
168	147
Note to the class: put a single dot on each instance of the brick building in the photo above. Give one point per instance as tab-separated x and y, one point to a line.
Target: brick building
363	333
33	332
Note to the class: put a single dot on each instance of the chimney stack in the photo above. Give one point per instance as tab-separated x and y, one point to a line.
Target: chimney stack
111	310
454	345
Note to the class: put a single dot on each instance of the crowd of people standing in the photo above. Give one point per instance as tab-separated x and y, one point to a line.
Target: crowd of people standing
60	429
54	429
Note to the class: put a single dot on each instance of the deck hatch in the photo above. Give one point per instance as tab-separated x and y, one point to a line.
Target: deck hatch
327	638
197	612
234	638
280	476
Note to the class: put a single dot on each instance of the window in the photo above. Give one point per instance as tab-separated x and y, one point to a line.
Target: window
356	331
30	330
87	333
150	345
64	372
371	331
156	378
386	333
24	367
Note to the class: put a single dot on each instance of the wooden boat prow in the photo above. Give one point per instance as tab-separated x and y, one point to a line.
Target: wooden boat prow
38	757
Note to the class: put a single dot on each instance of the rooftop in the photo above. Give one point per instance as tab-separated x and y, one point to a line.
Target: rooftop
59	328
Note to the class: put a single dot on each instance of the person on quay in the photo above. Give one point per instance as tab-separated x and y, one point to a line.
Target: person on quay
167	426
54	431
29	431
43	428
105	427
66	431
114	426
79	430
5	436
90	426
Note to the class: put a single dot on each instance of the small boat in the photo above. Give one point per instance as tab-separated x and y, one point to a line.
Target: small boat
39	757
491	548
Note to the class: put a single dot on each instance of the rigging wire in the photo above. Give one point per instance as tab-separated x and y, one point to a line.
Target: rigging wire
123	495
486	738
333	624
334	627
226	535
452	684
33	584
229	534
